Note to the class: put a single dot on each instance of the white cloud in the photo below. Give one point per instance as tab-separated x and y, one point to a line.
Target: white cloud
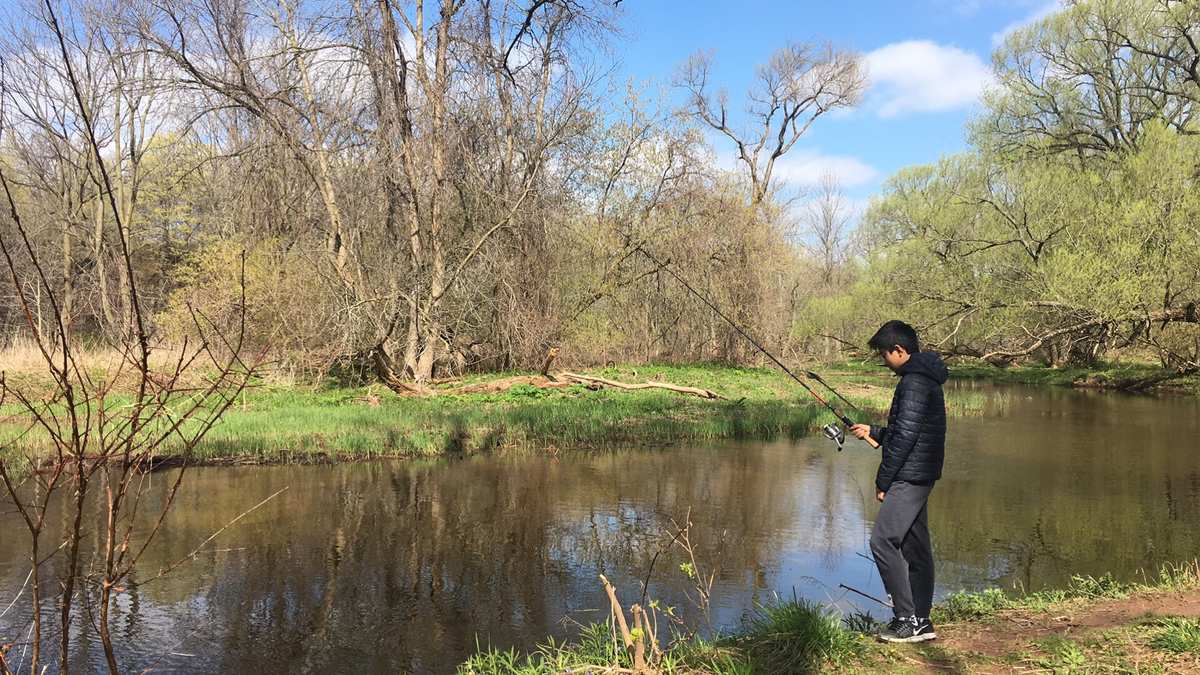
1045	10
805	168
923	76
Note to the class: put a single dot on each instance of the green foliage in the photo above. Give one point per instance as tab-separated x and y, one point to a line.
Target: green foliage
1070	222
862	622
1179	576
1066	656
1177	634
1093	588
793	637
803	637
798	636
964	606
299	424
594	647
285	309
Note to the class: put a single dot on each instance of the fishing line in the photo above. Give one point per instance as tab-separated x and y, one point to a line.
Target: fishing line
831	431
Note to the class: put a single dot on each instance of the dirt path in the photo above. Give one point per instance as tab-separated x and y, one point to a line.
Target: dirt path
1022	641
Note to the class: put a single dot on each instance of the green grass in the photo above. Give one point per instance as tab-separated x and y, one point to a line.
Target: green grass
799	636
293	424
785	637
276	424
963	606
1176	634
593	647
983	605
1062	654
272	424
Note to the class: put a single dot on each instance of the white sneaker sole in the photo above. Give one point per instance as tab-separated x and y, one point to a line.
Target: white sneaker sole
923	637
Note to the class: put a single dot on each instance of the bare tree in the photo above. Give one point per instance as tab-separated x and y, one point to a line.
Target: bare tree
827	219
797	85
76	442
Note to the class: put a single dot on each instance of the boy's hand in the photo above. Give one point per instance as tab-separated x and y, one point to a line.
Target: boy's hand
861	431
879	496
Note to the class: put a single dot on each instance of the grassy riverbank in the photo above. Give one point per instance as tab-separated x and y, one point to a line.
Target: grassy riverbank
1104	375
299	425
302	424
273	423
1093	625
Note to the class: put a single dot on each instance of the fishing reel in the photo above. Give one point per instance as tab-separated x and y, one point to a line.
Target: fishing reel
836	433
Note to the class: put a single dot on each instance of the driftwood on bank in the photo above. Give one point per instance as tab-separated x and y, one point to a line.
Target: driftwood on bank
566	379
498	386
589	379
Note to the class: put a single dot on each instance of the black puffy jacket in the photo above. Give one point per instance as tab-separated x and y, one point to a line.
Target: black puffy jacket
914	440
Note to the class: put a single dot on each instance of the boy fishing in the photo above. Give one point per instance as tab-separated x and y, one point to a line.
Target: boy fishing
913	446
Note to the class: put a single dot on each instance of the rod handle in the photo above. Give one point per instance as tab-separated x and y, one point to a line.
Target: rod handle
869	440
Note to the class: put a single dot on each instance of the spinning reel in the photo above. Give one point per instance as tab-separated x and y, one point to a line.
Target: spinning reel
836	433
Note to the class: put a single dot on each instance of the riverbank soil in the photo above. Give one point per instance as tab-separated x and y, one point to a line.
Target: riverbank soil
1151	632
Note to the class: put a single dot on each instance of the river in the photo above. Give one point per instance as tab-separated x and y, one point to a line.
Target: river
407	565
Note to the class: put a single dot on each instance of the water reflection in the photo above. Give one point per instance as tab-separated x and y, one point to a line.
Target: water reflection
403	566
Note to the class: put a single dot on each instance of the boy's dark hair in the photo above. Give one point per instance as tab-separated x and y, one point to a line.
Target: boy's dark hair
895	333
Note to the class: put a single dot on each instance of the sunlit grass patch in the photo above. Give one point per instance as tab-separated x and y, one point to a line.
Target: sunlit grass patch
271	423
594	647
1098	374
964	606
798	636
1176	634
1063	654
1179	576
786	637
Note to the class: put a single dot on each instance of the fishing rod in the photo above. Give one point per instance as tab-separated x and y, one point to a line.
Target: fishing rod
832	431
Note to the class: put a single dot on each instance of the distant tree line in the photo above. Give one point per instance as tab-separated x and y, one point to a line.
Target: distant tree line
423	191
420	190
1070	231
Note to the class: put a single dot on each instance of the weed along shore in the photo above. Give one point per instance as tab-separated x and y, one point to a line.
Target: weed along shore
1094	624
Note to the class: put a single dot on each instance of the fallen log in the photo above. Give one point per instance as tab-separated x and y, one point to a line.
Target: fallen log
507	383
694	391
566	379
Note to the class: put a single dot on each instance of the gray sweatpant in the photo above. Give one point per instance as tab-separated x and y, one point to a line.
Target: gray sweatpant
902	548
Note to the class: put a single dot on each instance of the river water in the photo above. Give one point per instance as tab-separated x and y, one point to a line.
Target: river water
407	566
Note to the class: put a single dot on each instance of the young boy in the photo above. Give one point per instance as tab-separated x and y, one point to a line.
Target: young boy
913	444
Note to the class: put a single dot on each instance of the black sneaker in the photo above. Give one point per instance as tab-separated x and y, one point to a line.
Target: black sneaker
893	631
924	629
908	629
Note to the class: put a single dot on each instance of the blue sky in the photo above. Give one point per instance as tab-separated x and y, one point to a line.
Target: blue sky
927	62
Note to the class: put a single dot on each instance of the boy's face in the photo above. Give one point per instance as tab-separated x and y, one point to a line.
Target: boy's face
894	358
